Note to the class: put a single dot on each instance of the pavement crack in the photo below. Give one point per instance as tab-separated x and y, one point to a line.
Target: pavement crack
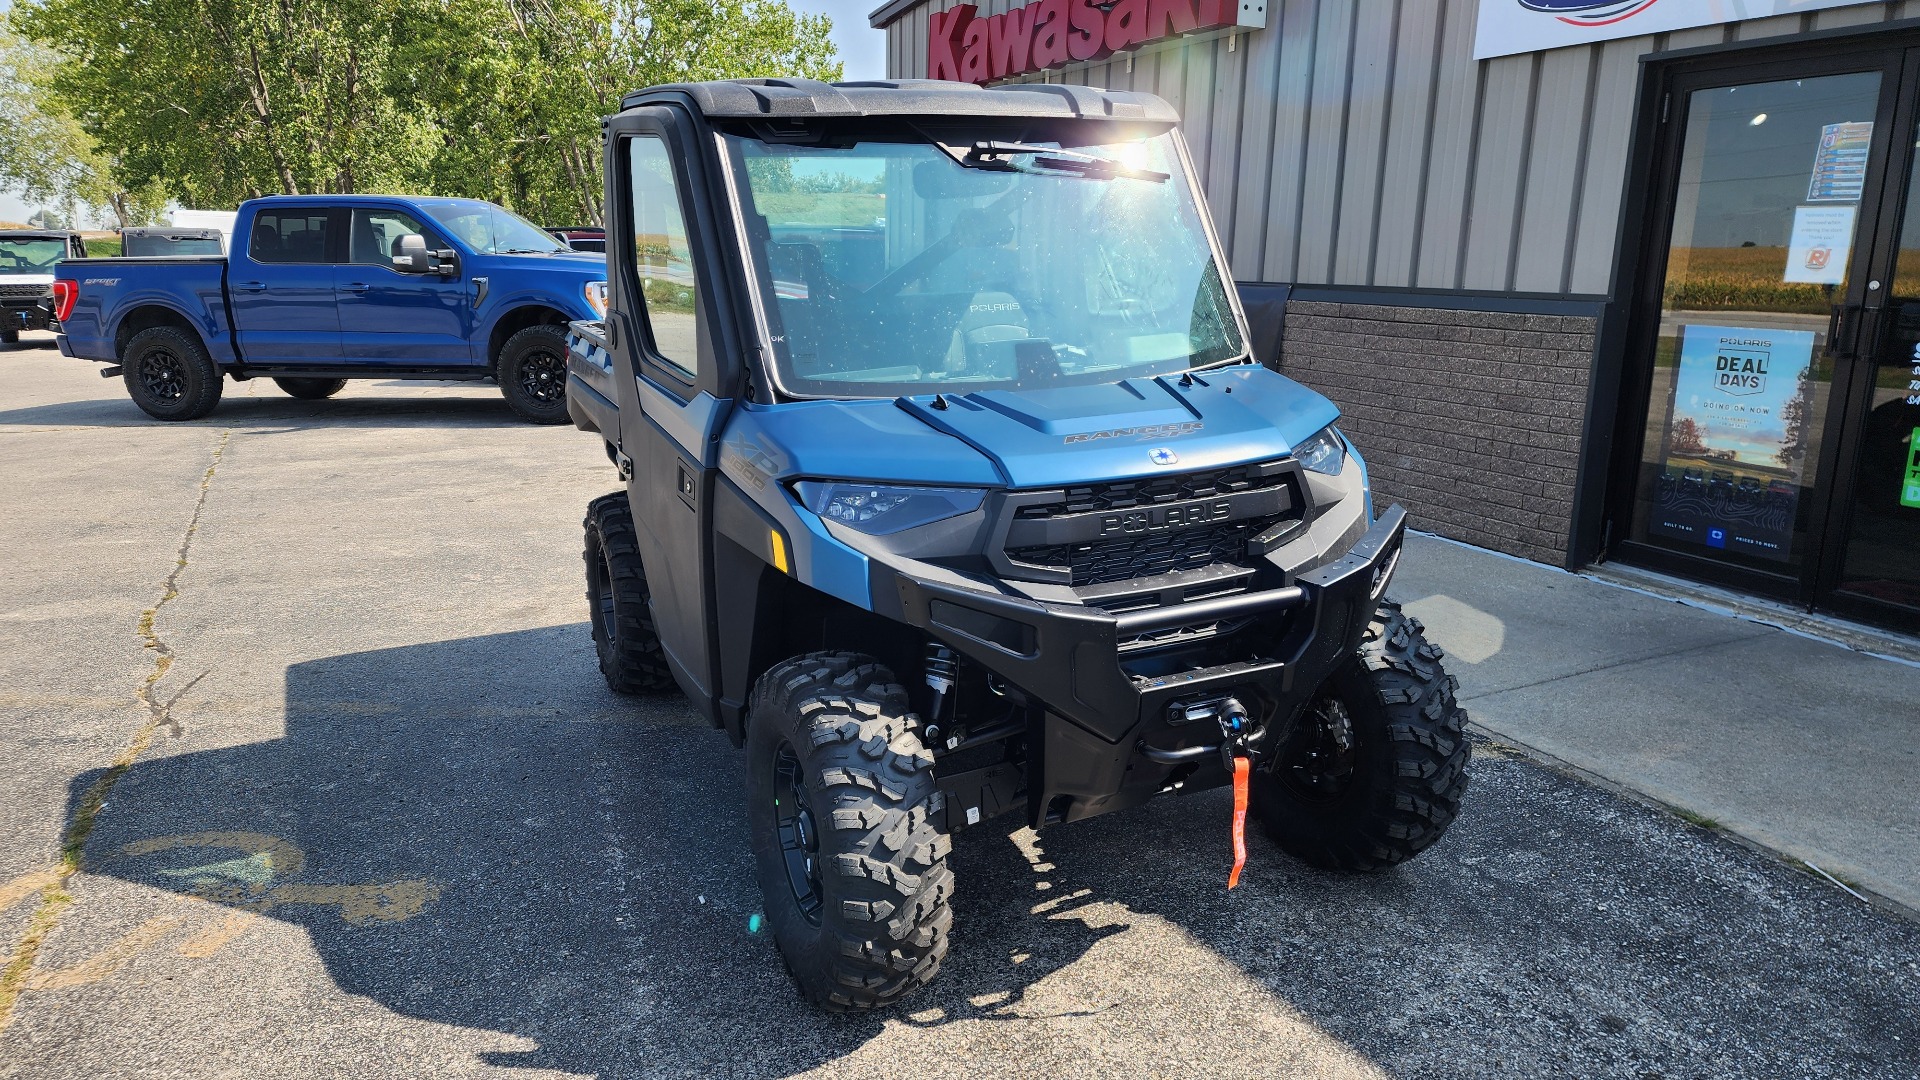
15	976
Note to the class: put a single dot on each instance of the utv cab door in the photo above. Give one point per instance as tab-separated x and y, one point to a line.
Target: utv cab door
671	322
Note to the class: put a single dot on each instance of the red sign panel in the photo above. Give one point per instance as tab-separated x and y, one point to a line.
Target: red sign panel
1054	33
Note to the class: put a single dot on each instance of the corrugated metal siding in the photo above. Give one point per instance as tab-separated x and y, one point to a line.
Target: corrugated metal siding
1342	146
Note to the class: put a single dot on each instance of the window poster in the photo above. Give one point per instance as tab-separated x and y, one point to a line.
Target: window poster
1840	163
1736	440
1822	239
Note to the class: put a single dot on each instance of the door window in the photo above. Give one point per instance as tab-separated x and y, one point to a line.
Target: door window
1763	244
1882	544
291	236
662	255
375	237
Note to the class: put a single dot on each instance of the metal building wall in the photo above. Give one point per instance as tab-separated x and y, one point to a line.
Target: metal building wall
1358	143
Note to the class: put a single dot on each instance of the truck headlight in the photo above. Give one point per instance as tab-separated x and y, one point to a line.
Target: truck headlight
596	295
1323	453
880	509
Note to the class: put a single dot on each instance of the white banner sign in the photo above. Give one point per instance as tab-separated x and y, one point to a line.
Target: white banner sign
1522	26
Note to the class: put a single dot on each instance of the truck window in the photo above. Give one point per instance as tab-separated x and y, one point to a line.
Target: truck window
662	257
375	238
290	236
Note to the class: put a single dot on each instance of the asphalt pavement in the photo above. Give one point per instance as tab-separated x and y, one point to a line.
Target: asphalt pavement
306	691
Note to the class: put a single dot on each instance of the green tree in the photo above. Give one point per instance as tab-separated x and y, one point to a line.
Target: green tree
217	101
46	156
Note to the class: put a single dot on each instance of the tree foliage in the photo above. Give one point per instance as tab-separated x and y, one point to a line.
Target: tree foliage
215	101
44	153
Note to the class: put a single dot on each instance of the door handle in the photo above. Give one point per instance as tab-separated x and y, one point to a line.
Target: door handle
355	287
250	286
1843	328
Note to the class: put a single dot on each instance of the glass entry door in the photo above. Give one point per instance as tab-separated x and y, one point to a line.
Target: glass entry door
1775	386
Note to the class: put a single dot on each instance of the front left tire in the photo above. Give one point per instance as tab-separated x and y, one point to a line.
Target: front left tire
532	371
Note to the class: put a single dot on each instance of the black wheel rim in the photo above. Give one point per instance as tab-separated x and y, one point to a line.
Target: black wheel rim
799	835
602	588
1319	761
162	376
543	377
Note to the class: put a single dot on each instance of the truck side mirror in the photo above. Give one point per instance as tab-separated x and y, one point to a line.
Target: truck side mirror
413	257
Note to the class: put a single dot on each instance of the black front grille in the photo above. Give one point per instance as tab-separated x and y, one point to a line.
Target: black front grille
1193	547
1155	490
23	290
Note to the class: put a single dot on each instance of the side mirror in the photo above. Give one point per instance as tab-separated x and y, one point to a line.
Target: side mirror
413	257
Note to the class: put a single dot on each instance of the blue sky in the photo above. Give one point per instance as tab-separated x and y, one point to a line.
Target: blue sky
862	48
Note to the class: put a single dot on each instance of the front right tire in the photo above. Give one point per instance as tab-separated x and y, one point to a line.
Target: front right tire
169	374
847	831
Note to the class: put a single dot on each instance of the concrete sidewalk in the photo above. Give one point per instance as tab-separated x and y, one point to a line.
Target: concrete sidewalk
1800	745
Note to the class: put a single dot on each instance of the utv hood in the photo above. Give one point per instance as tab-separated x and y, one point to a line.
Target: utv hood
1137	427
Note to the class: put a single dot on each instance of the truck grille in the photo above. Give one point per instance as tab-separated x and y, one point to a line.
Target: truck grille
1175	549
23	290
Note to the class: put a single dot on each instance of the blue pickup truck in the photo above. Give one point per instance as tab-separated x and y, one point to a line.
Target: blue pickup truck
322	289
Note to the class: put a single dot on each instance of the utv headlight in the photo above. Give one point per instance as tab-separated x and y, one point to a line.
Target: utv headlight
1324	453
880	509
596	297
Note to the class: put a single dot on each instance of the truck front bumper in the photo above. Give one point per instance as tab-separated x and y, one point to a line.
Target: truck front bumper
1113	712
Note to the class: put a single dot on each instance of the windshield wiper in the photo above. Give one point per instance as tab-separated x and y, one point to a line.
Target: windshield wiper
1046	161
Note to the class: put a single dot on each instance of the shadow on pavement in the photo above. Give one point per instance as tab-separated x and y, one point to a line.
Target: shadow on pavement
273	411
475	833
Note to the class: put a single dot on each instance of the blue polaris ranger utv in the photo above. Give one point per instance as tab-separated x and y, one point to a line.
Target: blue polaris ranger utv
953	490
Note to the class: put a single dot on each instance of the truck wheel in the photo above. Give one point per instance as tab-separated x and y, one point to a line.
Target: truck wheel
312	389
623	632
1373	773
169	374
847	833
9	336
533	374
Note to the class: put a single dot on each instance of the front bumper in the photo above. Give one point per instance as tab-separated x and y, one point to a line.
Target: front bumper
1104	705
19	313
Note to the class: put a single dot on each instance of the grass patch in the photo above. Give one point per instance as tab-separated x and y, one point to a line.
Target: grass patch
1698	821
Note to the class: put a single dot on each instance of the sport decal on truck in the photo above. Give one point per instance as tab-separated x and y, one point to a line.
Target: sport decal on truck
1149	431
101	281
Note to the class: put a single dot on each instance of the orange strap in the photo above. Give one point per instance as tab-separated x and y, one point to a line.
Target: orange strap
1240	772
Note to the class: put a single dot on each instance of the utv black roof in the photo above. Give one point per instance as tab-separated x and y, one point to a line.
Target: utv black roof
759	99
37	234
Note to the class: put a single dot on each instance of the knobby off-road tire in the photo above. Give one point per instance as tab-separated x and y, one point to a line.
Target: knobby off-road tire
311	389
9	335
623	630
169	374
1373	773
844	816
532	372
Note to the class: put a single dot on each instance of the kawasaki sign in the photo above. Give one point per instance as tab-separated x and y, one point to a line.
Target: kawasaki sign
1055	33
1521	26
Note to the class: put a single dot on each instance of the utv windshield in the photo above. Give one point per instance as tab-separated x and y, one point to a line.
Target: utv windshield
889	268
38	255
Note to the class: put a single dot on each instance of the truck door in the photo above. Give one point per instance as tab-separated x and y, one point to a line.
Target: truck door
281	286
396	319
670	322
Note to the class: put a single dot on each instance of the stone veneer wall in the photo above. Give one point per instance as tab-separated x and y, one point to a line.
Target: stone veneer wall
1470	419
